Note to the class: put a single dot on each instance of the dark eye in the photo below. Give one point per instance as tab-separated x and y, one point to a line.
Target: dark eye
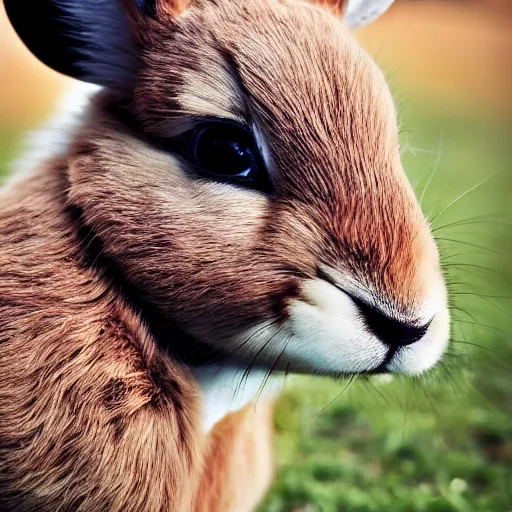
227	151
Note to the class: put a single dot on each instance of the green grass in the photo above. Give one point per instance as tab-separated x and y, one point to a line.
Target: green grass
9	144
444	442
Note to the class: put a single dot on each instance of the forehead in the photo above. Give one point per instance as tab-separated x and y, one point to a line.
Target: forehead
286	62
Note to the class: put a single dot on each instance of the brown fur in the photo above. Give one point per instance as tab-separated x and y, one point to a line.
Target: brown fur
92	415
96	414
238	468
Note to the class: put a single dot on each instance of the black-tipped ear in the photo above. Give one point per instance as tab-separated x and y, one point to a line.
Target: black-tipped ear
85	39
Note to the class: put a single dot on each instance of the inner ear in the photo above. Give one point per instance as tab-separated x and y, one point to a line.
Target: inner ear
359	13
160	9
147	17
356	13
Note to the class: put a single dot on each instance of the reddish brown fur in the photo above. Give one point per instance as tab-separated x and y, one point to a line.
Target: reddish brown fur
94	413
89	404
238	468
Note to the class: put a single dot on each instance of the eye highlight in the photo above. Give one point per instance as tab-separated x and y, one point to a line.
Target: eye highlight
228	152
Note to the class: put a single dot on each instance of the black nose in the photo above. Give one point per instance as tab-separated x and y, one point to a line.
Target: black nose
389	330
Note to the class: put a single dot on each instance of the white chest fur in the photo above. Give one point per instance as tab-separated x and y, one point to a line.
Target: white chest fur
226	388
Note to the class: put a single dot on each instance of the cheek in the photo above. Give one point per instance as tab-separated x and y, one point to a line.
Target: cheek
196	249
296	236
229	274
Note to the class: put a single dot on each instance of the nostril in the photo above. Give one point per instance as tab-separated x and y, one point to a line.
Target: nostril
390	330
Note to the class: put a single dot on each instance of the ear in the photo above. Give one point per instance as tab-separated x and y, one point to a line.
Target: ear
358	13
92	40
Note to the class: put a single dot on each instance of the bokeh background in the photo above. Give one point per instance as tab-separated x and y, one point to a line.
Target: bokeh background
442	442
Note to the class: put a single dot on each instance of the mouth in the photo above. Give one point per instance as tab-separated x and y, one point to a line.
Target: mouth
393	332
383	368
332	332
336	330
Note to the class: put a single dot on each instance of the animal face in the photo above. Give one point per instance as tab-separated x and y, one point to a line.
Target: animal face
246	180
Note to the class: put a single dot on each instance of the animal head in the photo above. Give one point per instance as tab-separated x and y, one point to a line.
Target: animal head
242	171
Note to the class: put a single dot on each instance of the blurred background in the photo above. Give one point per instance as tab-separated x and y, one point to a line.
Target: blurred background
442	442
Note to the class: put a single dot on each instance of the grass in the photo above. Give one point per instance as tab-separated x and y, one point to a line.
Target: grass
443	442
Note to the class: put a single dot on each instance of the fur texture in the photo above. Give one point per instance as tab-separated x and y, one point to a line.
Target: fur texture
123	269
93	416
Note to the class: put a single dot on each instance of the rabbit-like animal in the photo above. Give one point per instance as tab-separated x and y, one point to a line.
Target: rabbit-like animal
231	206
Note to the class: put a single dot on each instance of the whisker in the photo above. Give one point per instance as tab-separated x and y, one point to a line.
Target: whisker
472	221
434	170
452	284
433	405
481	397
229	356
365	382
272	368
448	374
474	265
350	381
469	244
483	295
407	407
459	197
486	349
248	369
449	256
407	147
370	383
495	305
465	311
466	347
485	326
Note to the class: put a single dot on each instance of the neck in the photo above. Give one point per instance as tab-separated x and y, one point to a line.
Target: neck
226	385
